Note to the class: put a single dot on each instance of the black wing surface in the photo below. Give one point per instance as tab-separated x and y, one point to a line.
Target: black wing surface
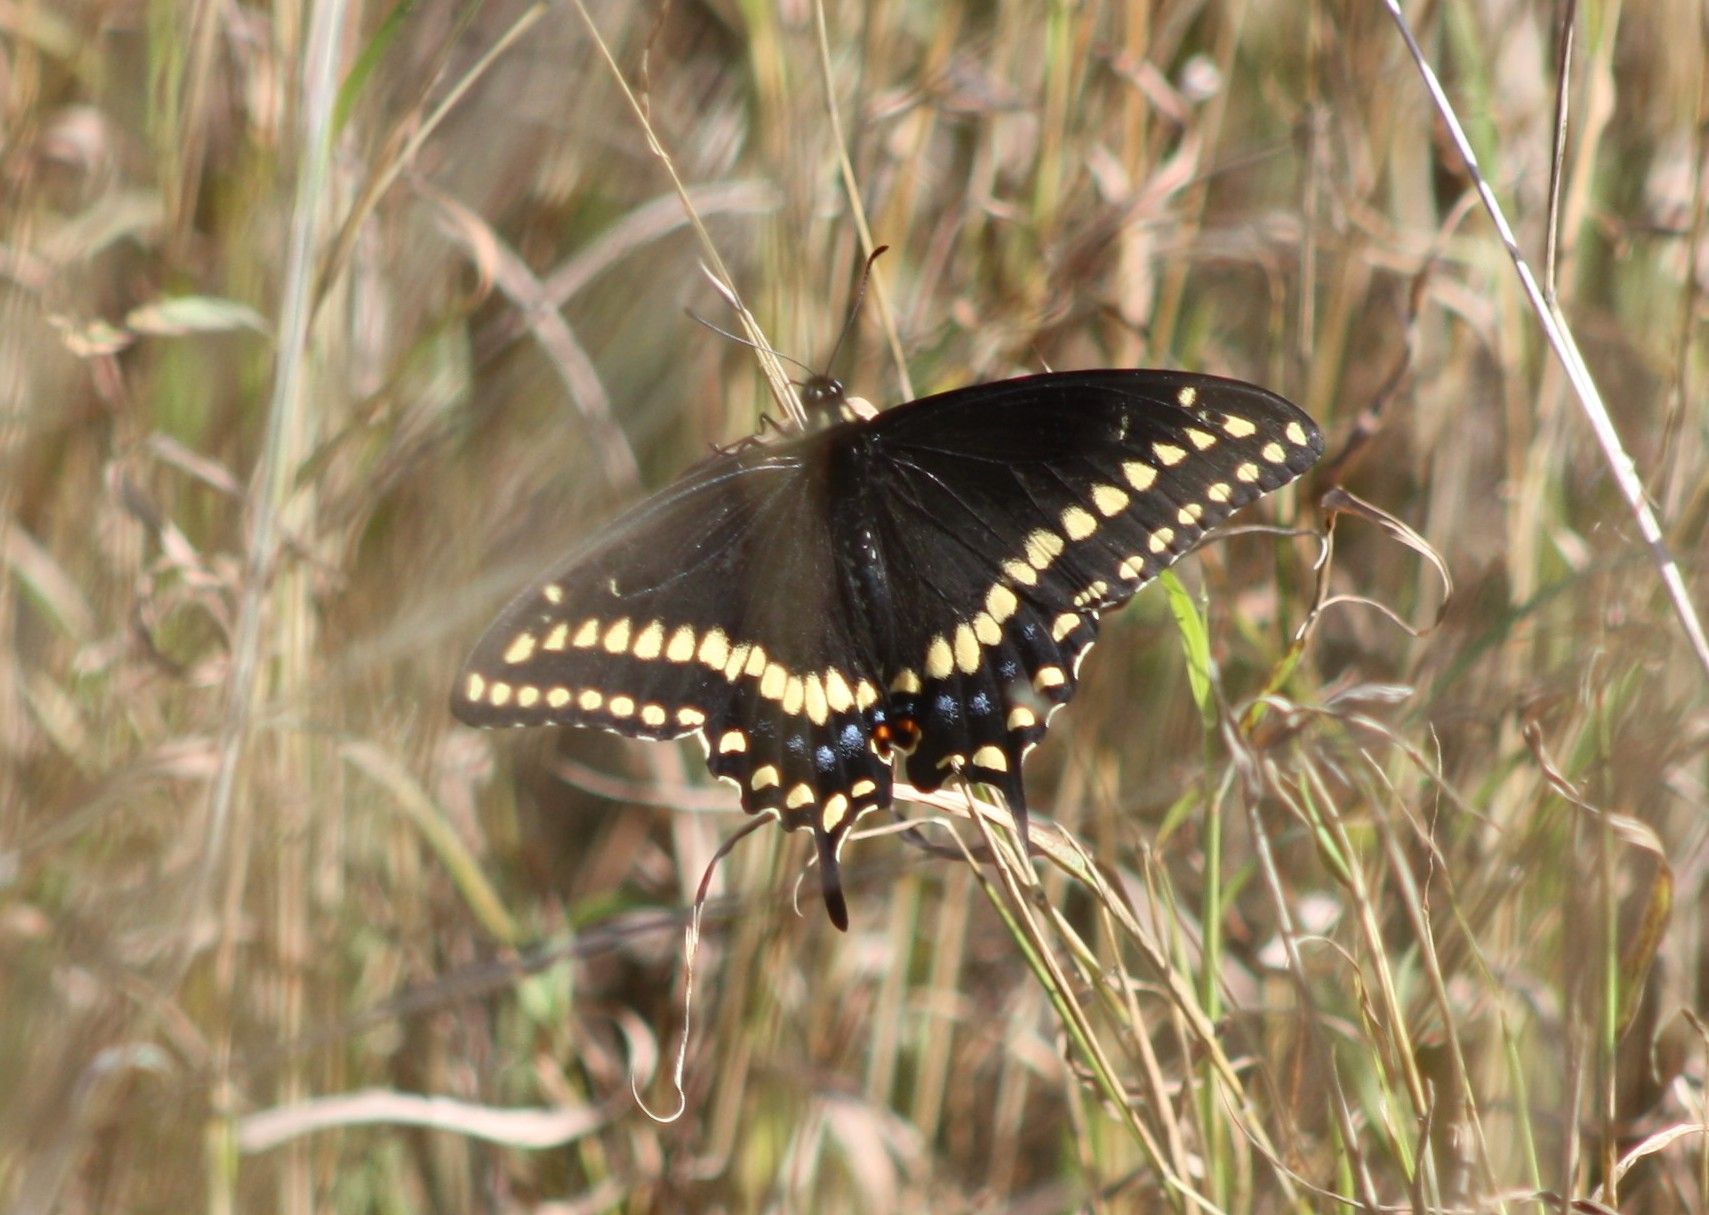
711	608
1018	512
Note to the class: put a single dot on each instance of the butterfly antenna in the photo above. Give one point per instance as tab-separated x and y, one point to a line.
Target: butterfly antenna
736	337
854	308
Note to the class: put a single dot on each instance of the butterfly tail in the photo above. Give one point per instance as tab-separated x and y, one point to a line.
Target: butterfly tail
831	880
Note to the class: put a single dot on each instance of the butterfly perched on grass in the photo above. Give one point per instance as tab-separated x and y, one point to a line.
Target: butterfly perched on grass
914	587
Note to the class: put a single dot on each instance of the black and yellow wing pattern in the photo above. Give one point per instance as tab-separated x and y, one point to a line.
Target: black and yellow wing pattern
919	584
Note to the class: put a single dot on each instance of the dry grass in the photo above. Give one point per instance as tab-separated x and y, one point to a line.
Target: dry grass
1420	923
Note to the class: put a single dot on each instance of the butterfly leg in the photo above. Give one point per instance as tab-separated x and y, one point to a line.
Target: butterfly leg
1015	794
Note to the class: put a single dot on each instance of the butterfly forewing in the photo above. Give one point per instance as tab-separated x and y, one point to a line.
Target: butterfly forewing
926	581
1024	509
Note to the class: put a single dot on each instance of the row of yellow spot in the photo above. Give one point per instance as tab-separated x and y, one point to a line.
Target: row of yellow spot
818	694
836	807
500	693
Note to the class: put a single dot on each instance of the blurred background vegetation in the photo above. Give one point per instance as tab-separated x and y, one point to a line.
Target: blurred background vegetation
322	329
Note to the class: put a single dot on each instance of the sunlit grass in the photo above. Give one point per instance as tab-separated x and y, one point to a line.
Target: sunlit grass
1335	904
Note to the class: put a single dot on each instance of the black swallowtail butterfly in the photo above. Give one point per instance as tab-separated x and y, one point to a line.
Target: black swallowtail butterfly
922	583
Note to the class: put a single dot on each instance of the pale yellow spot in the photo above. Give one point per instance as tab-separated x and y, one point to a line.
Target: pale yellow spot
793	694
586	635
1204	440
558	697
773	682
1239	428
553	592
1139	474
1161	539
1273	452
734	663
558	638
1133	567
476	687
1187	396
765	776
653	715
1021	573
801	795
681	648
966	649
865	695
527	696
617	637
1078	523
714	648
1218	492
691	717
1109	500
1021	717
756	661
521	648
1169	453
1091	595
986	629
733	740
1296	434
991	758
590	700
621	706
1247	472
499	694
862	787
818	704
939	660
1064	625
906	682
1049	677
835	811
651	643
1000	601
1190	514
1043	547
837	693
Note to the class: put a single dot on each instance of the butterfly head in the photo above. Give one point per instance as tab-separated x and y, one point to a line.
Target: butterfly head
828	401
822	392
